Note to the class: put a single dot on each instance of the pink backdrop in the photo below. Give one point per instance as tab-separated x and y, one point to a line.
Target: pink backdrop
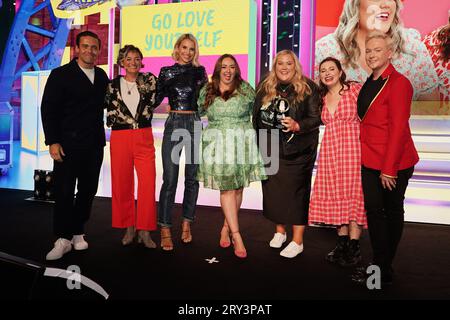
425	16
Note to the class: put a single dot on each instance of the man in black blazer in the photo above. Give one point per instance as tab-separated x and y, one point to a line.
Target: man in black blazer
72	118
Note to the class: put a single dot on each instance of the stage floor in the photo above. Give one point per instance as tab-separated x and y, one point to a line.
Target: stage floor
421	265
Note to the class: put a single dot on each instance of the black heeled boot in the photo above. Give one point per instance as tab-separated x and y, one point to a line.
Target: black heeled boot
353	255
339	251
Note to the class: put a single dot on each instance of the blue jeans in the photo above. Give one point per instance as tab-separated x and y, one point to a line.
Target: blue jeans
180	131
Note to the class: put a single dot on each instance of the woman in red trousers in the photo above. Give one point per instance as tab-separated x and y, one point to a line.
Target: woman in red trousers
130	101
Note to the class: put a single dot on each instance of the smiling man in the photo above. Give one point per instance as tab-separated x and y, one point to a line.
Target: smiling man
72	119
388	154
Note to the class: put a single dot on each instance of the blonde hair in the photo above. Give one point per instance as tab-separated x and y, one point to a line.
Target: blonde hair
176	47
299	81
348	28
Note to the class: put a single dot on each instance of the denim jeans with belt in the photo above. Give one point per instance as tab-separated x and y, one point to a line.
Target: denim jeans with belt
181	130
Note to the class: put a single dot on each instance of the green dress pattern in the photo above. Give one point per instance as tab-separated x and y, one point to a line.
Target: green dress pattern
229	155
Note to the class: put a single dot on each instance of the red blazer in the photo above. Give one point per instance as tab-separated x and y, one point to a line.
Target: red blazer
386	142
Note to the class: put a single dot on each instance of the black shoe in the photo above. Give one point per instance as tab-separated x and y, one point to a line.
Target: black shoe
339	251
387	277
360	276
386	281
352	256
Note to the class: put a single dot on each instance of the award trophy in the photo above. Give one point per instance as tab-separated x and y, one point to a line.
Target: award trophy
281	109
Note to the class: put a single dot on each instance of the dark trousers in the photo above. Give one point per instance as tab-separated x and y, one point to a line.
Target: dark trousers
180	131
81	168
385	214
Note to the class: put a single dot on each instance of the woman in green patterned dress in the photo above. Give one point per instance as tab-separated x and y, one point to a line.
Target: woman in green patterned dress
229	158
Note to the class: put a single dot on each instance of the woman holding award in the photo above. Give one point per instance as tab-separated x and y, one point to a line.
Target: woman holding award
287	106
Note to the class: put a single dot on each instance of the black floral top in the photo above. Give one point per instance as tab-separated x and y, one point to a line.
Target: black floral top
119	116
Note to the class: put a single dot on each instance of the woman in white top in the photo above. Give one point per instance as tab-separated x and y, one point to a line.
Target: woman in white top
130	101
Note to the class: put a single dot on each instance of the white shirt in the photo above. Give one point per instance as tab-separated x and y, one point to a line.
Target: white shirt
132	99
90	73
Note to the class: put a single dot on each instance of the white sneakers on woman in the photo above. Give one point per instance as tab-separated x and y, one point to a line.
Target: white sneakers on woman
277	240
292	249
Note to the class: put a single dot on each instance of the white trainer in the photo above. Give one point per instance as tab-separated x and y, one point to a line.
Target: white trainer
278	240
62	246
79	243
292	250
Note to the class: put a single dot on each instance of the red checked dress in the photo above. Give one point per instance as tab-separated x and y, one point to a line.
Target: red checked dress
337	196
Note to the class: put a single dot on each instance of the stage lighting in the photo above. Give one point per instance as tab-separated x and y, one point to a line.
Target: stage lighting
43	185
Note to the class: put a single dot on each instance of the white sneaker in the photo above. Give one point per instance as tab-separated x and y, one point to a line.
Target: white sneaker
79	243
278	240
62	246
292	250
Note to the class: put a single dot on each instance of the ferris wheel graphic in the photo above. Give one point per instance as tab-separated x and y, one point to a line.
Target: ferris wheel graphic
48	56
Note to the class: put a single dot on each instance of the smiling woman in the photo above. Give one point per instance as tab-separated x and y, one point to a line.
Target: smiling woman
130	101
181	83
296	146
337	197
230	159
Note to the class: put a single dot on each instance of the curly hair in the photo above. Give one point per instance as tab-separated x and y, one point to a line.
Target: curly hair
299	81
176	47
124	52
348	29
213	89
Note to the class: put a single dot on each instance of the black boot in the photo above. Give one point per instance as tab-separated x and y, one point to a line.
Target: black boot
353	255
339	250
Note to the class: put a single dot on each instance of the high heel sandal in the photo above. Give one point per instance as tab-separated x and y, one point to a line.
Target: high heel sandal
145	238
186	236
227	243
240	254
166	239
128	238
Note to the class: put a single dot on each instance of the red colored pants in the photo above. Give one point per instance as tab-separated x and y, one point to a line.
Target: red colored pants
133	149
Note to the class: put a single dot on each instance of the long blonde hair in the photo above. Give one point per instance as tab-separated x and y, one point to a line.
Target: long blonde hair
299	81
176	54
348	28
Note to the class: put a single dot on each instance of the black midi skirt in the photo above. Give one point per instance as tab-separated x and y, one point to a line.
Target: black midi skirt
286	193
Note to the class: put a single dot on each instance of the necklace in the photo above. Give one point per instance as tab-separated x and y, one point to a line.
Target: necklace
128	87
282	90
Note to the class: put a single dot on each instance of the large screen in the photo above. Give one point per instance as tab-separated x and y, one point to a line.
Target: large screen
418	28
